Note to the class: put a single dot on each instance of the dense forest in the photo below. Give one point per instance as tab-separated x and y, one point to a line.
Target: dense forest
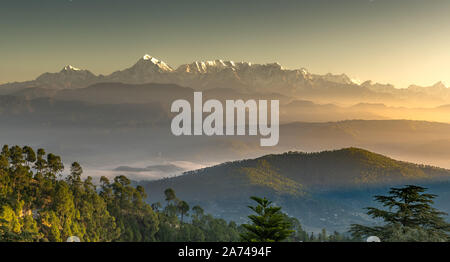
39	203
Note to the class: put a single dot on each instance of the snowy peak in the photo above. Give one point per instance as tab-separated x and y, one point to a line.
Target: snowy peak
204	67
146	70
69	68
214	66
68	77
68	73
147	57
148	61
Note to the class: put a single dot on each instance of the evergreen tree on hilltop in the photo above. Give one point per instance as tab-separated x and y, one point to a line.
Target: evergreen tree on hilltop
268	225
410	217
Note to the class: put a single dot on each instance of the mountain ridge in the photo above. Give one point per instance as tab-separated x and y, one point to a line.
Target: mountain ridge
369	168
208	66
243	76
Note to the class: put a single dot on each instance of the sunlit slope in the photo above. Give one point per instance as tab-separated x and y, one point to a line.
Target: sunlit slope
296	173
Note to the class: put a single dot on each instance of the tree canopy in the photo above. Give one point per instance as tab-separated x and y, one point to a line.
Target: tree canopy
38	203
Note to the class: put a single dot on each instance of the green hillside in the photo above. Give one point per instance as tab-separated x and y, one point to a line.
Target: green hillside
296	173
328	188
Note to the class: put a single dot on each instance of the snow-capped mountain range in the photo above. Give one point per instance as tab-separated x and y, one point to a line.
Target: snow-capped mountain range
244	76
202	74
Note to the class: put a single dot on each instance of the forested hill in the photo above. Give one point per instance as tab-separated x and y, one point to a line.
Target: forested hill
296	173
326	189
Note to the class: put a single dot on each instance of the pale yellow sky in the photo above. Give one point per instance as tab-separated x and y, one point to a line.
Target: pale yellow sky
400	42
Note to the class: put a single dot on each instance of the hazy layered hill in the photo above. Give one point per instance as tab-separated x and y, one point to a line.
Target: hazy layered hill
164	94
415	141
326	188
245	77
99	134
113	93
50	113
291	109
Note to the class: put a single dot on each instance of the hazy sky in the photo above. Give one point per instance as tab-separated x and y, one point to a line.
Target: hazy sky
395	41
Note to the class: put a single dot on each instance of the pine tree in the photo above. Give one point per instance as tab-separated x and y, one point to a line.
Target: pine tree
410	217
269	223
